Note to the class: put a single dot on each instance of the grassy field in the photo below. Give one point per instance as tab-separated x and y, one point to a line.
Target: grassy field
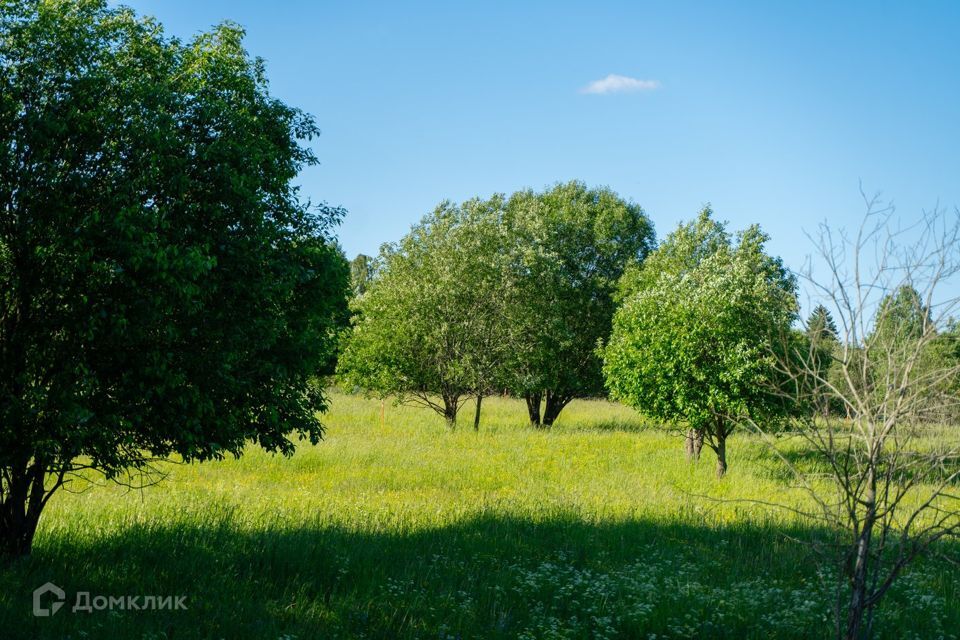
598	529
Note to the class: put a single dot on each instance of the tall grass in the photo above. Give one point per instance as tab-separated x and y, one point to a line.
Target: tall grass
402	529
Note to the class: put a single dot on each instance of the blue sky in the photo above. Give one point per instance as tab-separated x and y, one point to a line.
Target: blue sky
773	112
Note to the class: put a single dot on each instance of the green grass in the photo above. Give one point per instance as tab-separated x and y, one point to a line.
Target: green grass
597	529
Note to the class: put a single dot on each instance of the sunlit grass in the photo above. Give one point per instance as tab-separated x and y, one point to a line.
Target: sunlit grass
597	528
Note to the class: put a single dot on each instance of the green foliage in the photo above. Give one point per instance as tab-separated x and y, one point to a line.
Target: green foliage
694	339
496	294
164	290
570	245
906	344
821	328
820	345
946	353
361	272
338	283
430	327
901	318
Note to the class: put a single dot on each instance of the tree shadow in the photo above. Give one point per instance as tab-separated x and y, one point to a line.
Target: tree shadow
482	577
618	425
789	462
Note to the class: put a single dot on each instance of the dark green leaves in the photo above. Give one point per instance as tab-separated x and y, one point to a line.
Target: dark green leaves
164	288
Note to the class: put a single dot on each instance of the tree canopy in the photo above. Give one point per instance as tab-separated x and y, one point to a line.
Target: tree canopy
902	316
430	327
497	294
820	325
693	340
821	343
163	288
569	244
361	272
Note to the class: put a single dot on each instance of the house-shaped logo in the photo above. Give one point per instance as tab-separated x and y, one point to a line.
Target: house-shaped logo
38	597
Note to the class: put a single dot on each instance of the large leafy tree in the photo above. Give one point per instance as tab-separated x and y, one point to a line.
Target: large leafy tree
430	328
339	273
569	247
693	342
163	289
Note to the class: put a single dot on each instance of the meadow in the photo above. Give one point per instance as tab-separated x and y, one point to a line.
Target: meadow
598	528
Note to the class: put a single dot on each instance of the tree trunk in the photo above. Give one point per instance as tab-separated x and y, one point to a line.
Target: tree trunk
450	411
16	538
533	408
693	444
858	578
721	439
555	404
20	510
476	416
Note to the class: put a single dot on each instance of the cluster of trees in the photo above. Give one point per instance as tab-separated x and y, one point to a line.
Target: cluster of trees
561	294
547	296
503	294
903	324
165	291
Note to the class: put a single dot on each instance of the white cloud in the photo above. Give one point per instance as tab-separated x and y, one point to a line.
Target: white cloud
614	83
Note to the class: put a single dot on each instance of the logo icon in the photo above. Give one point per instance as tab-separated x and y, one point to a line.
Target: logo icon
38	595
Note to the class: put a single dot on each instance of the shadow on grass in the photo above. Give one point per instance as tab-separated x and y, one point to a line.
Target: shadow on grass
613	425
810	462
487	577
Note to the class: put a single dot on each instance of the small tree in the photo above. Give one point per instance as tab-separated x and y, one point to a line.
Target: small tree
429	329
820	325
891	471
569	246
163	290
691	341
821	337
361	272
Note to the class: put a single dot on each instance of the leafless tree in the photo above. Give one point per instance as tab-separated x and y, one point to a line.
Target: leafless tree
889	444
